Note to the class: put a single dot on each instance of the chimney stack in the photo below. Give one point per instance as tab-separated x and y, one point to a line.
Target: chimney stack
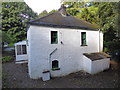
62	10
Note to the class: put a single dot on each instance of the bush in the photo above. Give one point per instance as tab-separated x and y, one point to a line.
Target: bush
7	58
112	46
11	45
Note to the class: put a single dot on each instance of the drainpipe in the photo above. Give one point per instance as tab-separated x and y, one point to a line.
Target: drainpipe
52	52
99	40
50	57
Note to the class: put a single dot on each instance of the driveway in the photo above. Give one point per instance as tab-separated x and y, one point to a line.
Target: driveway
16	76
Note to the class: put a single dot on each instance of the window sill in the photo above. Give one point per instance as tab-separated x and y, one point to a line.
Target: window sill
84	45
54	43
22	54
54	69
46	71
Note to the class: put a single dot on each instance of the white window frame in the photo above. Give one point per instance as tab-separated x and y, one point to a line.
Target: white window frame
57	68
50	36
21	51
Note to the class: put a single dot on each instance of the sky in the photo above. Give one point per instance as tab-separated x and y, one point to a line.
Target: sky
39	5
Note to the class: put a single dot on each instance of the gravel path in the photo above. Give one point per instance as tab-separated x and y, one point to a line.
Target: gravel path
16	76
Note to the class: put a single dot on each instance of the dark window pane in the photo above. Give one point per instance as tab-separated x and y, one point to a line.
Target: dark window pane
55	64
19	50
24	49
54	37
83	38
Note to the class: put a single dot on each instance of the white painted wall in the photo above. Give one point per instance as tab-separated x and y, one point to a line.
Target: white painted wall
21	57
87	64
100	65
95	66
69	54
101	41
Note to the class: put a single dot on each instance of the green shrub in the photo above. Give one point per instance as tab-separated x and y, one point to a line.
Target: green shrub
11	45
7	58
112	46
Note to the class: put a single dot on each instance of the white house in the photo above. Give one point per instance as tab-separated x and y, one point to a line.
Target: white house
58	44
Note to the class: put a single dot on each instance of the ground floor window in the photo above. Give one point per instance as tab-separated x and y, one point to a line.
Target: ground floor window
21	49
55	65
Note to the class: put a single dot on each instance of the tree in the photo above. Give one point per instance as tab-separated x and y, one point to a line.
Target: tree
83	11
72	7
52	11
14	18
6	37
43	13
72	11
89	14
109	22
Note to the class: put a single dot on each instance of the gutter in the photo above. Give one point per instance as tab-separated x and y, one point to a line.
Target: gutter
62	26
99	41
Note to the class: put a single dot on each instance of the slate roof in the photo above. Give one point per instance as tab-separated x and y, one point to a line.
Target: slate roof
62	19
96	56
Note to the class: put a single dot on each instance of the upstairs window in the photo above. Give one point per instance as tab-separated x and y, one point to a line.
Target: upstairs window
54	37
21	49
83	38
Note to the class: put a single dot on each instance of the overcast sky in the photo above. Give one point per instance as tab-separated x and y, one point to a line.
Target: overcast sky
40	5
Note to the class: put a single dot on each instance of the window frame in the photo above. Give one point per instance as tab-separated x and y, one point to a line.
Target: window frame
21	49
53	37
55	68
83	39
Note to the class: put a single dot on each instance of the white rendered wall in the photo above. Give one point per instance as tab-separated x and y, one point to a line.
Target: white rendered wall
28	48
100	65
21	57
69	54
101	41
87	64
96	66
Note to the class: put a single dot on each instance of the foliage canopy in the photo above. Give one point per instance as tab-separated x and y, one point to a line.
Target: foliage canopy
14	18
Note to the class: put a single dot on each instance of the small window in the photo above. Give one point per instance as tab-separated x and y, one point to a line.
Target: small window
54	37
21	49
83	38
55	65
